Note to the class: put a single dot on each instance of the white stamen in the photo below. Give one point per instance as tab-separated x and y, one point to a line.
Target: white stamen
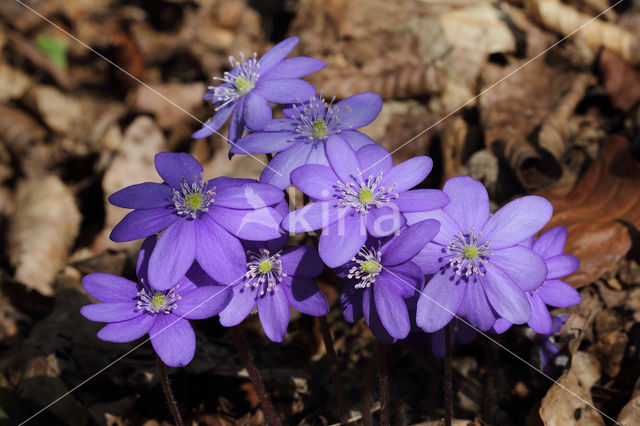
155	301
264	268
467	254
365	194
318	119
367	267
193	198
240	83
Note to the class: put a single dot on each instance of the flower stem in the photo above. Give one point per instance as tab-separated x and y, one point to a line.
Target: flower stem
254	375
166	387
448	373
385	418
334	369
368	391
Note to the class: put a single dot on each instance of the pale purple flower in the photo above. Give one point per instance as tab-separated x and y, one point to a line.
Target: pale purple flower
276	279
300	138
552	291
380	276
201	220
479	270
360	193
245	91
135	309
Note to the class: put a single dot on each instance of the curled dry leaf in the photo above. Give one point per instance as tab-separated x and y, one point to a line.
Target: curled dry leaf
514	108
560	407
565	20
42	230
600	211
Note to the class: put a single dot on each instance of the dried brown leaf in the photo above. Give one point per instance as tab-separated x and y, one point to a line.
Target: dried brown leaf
621	81
13	83
42	230
599	211
132	164
513	109
611	342
630	413
560	407
187	95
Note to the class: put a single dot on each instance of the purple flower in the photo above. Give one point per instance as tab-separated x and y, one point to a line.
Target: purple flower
548	349
301	137
135	309
276	278
201	220
480	271
381	276
252	82
359	192
552	291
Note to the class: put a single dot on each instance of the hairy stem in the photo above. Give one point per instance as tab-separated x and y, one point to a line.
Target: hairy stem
256	380
448	374
166	387
368	391
334	369
385	414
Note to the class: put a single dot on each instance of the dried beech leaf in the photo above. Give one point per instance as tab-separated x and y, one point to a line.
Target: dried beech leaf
630	413
621	81
513	109
565	20
131	165
42	230
599	210
187	95
560	407
611	342
13	83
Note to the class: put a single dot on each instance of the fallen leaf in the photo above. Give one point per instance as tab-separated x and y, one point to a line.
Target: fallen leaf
514	108
611	342
133	164
13	82
42	230
600	211
630	413
621	80
560	407
187	96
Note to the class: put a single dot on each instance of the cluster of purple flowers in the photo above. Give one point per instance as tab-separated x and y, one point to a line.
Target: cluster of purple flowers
219	246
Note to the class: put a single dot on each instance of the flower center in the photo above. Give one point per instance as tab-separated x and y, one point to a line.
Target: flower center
367	267
158	301
365	194
318	119
237	83
192	199
470	251
264	270
468	255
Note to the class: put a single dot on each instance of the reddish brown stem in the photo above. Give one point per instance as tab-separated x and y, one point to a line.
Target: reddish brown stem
385	415
254	375
166	387
334	369
448	376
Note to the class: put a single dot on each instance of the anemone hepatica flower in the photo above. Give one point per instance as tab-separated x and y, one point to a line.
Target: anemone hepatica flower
479	270
201	220
552	291
276	278
252	82
358	192
380	276
135	309
300	138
